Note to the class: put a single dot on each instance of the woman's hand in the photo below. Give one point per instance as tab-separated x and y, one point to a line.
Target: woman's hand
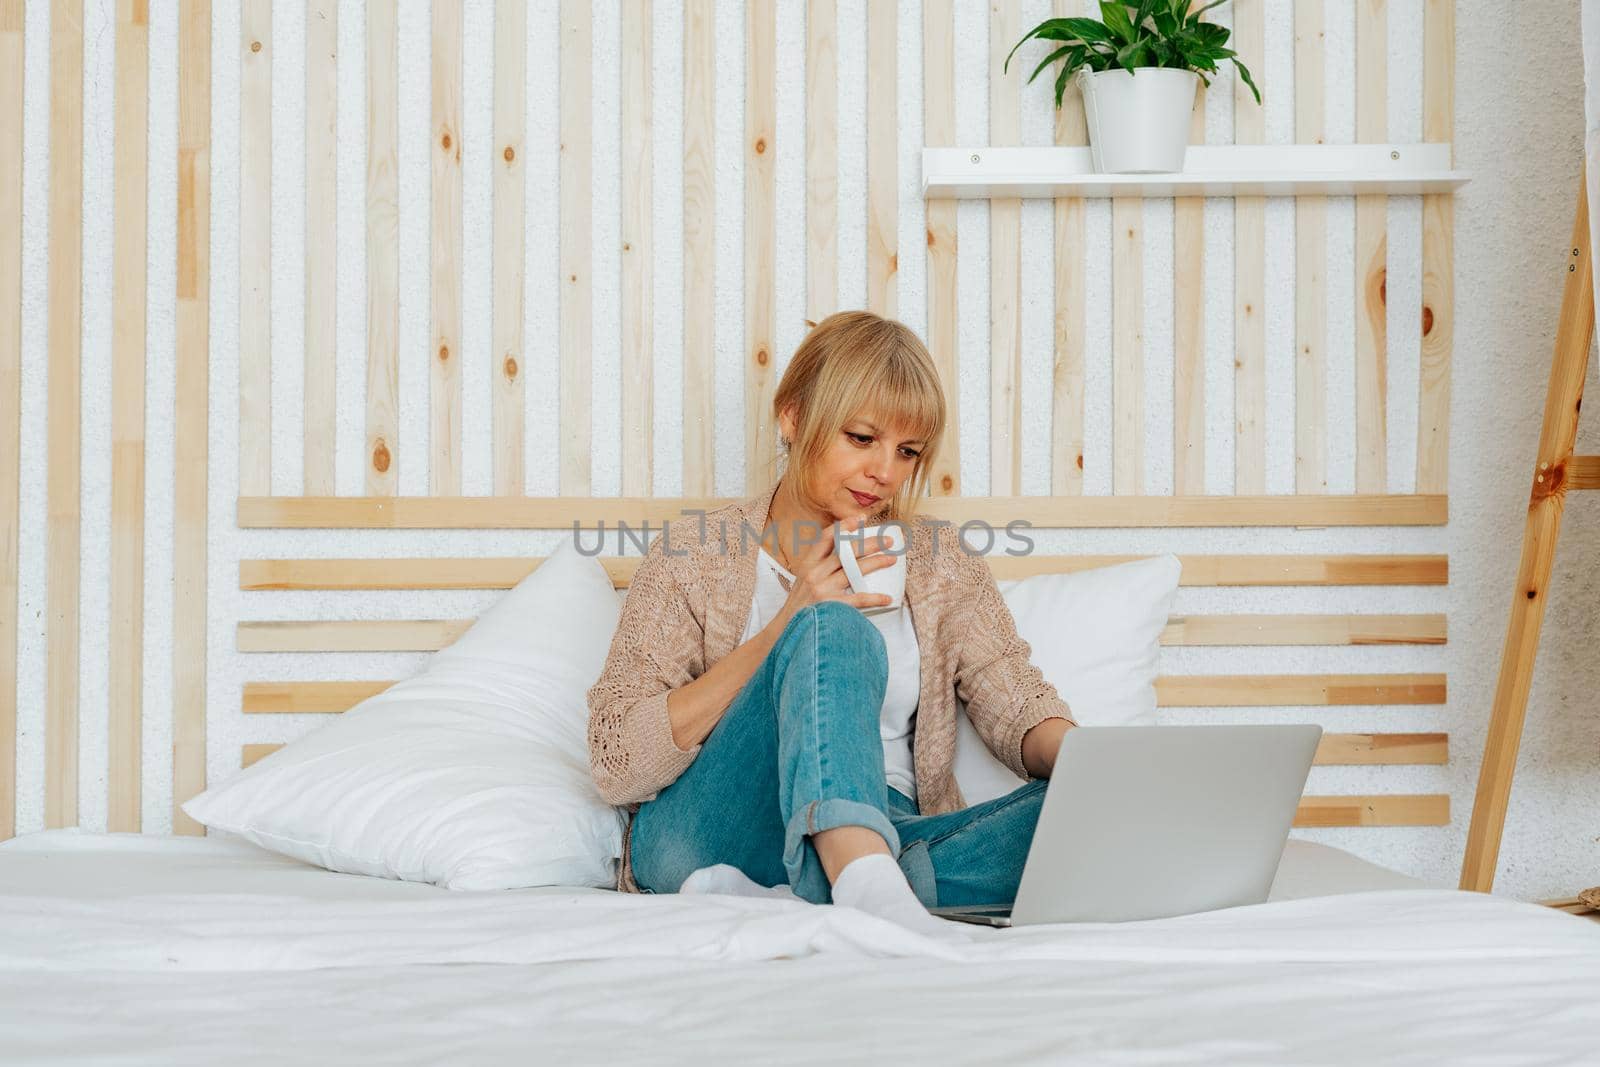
819	576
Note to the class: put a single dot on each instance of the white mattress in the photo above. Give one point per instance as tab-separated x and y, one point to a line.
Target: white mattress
177	950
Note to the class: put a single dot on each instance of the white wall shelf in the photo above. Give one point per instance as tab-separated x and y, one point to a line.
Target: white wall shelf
1209	170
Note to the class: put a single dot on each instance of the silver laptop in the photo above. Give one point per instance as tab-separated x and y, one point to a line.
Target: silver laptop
1145	822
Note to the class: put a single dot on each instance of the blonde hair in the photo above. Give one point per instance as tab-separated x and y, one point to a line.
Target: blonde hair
851	364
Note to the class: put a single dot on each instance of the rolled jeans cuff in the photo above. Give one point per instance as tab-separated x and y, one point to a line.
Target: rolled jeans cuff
806	875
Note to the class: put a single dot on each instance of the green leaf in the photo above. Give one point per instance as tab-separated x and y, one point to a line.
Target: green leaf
1114	13
1064	50
1244	72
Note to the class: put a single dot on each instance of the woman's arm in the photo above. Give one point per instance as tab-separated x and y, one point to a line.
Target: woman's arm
1011	705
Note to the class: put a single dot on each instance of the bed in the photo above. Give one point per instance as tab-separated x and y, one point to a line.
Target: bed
123	948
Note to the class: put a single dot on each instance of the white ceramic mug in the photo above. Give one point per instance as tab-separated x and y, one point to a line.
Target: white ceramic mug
890	581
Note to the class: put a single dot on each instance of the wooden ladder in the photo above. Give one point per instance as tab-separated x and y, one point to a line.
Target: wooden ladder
1556	471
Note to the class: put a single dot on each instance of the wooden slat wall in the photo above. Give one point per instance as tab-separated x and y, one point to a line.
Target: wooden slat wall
63	436
1311	263
883	151
1005	266
125	681
321	255
1372	255
383	248
1066	393
11	59
255	247
939	129
190	430
762	217
510	103
444	366
577	211
822	156
1250	265
1438	253
638	285
760	241
699	244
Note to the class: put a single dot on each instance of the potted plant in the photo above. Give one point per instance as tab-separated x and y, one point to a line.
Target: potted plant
1137	65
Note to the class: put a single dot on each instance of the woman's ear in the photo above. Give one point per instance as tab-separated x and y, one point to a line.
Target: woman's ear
786	423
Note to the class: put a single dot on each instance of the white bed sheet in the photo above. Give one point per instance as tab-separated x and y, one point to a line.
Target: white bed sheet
127	949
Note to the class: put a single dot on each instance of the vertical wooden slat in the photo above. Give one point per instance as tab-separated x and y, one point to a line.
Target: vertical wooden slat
444	375
1189	329
126	631
190	398
1127	346
1005	265
700	244
65	453
1372	256
11	58
760	240
939	130
883	171
1311	263
1438	251
322	166
1067	397
822	159
255	248
577	325
383	249
510	103
638	285
1250	268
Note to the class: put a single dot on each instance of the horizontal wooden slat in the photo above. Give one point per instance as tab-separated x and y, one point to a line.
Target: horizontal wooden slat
1194	691
350	635
504	572
1383	749
308	697
1308	690
1583	472
1305	630
428	635
1075	512
1382	809
1335	749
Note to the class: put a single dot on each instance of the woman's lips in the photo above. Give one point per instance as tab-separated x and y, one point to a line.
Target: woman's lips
864	499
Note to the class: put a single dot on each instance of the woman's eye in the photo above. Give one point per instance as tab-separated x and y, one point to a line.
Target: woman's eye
910	453
858	438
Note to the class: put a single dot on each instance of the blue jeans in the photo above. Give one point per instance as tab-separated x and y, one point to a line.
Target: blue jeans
799	752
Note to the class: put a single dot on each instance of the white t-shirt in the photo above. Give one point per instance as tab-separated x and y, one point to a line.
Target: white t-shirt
897	718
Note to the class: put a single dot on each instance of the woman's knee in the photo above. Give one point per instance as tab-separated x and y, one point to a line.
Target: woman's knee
845	627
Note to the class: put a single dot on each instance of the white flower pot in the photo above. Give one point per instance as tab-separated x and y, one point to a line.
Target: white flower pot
1138	120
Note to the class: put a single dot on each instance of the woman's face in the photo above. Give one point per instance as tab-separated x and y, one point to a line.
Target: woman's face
863	467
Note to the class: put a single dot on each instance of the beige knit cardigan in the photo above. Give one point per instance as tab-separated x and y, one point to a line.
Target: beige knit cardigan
687	607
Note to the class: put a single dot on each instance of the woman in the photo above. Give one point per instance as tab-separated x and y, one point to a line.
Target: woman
750	714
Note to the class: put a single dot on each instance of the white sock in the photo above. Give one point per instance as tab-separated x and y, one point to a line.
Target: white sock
729	880
875	884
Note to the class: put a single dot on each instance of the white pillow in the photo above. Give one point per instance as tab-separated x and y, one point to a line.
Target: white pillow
1095	635
473	774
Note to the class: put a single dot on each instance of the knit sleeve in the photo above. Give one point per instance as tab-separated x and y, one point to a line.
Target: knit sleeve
658	646
1006	695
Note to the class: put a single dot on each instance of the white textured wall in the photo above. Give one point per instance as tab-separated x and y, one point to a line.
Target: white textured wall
1518	131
